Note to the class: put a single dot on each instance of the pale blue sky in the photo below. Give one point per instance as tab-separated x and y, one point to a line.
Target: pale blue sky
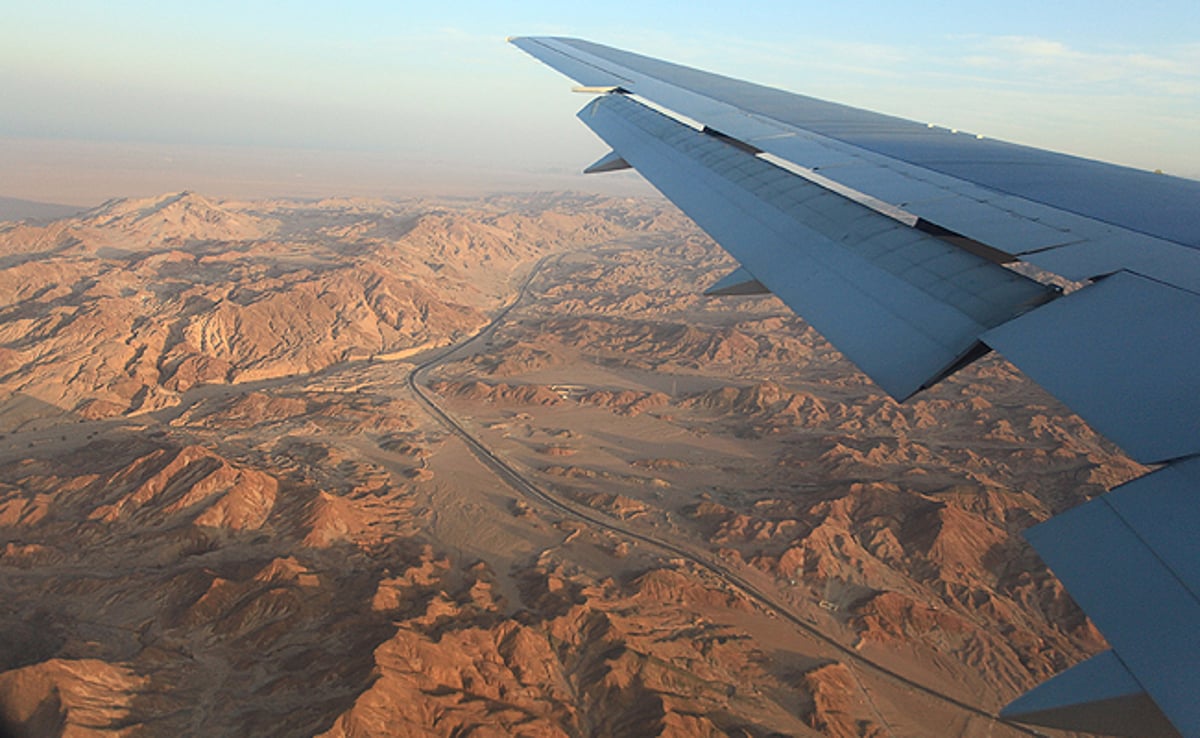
436	83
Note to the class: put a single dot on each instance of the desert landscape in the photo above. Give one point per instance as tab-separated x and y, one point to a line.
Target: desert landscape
489	467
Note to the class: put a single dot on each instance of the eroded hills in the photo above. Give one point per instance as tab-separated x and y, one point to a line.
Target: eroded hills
224	511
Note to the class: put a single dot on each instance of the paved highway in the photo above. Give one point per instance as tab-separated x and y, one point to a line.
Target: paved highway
526	487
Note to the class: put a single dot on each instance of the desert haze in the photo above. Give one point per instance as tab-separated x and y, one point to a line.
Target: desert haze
488	467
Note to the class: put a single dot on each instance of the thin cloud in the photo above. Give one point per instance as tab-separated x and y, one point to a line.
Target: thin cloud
1050	63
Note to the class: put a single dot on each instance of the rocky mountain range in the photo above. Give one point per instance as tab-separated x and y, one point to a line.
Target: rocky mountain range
225	508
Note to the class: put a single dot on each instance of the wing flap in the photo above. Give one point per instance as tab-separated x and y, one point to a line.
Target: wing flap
1123	353
1131	558
1109	253
905	306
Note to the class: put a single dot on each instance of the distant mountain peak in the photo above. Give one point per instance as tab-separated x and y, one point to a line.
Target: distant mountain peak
181	215
138	208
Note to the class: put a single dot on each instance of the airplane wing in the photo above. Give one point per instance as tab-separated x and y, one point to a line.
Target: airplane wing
894	240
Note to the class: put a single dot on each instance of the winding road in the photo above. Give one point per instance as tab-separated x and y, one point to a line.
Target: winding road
526	487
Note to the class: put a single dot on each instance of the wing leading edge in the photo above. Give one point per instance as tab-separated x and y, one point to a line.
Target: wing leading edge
888	235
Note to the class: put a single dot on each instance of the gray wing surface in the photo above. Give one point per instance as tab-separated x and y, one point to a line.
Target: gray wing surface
892	239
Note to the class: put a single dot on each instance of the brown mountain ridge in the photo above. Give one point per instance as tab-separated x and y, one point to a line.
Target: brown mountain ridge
224	511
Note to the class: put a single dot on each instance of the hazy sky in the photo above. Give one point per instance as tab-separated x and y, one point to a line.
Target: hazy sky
269	94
